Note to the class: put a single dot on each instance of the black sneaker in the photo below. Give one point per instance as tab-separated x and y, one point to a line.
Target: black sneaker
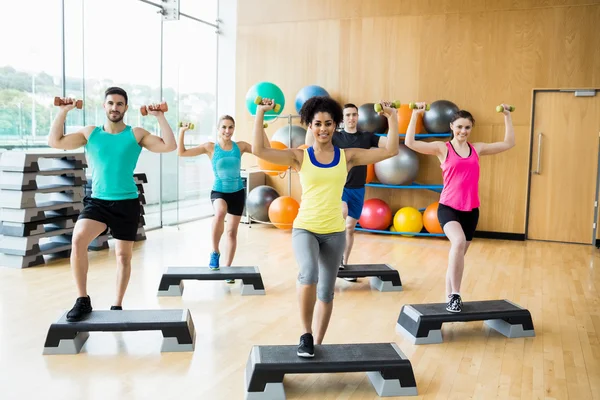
82	307
116	308
454	303
306	348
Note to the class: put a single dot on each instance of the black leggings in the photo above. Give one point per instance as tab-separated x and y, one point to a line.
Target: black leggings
467	219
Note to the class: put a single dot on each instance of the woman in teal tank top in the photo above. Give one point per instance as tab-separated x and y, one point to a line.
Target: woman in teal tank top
228	195
318	237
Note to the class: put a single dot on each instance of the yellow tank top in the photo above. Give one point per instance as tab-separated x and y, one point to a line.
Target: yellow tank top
322	187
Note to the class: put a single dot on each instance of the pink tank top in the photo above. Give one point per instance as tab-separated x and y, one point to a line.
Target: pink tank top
461	180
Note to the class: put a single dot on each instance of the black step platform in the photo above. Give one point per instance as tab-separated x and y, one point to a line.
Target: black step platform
422	323
383	277
176	325
171	283
387	367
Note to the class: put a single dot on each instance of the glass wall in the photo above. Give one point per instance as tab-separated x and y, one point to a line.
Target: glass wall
122	43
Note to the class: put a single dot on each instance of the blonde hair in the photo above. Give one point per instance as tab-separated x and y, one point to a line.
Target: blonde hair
223	117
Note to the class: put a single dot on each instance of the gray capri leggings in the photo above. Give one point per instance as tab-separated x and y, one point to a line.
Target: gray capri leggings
318	257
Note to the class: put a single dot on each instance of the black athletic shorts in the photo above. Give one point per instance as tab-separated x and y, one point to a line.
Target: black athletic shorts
467	219
235	201
122	217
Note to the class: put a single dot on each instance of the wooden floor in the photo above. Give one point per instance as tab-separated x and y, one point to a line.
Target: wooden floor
558	283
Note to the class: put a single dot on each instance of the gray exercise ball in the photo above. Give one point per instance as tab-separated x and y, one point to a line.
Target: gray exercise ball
402	169
437	119
258	202
298	135
370	121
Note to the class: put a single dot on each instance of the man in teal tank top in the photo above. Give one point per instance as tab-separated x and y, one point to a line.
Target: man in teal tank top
112	151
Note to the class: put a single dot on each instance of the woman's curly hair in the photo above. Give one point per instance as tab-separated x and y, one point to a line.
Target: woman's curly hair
321	104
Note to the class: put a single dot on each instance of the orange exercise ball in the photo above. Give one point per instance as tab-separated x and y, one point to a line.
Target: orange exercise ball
283	211
270	168
303	146
430	219
370	173
404	114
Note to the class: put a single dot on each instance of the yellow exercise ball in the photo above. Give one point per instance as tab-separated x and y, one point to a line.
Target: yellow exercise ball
392	228
408	219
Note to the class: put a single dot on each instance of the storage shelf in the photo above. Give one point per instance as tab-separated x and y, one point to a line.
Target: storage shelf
421	135
435	188
399	233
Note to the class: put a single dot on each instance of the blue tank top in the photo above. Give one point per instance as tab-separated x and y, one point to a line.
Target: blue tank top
226	167
112	158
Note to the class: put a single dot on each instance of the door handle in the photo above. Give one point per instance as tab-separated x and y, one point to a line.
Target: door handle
539	157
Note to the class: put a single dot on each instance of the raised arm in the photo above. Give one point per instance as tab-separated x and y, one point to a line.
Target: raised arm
195	151
57	138
246	147
484	149
370	156
155	143
310	138
434	148
292	157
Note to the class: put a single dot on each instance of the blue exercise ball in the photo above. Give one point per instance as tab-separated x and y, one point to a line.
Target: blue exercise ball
306	93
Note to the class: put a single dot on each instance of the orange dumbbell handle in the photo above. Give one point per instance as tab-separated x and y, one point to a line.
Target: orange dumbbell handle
60	102
161	107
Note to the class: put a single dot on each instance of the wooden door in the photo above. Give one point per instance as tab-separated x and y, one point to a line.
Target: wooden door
564	167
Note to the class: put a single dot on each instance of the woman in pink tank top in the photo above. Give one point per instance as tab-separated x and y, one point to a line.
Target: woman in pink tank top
458	210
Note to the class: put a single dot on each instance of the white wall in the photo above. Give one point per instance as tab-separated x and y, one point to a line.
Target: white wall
226	67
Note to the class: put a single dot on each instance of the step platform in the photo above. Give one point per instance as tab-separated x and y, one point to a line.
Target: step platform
176	326
171	283
33	161
27	199
41	212
30	245
422	323
388	369
57	249
38	227
18	180
383	277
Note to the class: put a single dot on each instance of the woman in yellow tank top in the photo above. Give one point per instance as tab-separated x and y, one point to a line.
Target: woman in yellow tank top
318	236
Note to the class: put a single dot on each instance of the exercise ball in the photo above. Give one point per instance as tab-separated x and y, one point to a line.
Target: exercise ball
283	212
258	202
298	135
370	173
266	90
306	93
392	229
376	214
408	219
370	121
268	167
430	219
400	169
437	119
404	116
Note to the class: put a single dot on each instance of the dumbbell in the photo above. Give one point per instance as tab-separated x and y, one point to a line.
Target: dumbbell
58	101
161	107
500	108
258	100
378	107
412	106
191	125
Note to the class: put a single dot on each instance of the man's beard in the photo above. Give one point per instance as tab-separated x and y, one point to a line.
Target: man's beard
119	118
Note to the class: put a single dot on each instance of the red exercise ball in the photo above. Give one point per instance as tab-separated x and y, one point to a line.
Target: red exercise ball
376	214
430	219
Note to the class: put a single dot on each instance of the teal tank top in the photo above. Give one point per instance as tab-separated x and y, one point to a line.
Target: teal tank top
226	167
112	159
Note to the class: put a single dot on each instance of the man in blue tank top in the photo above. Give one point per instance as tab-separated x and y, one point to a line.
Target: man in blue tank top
354	191
112	151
